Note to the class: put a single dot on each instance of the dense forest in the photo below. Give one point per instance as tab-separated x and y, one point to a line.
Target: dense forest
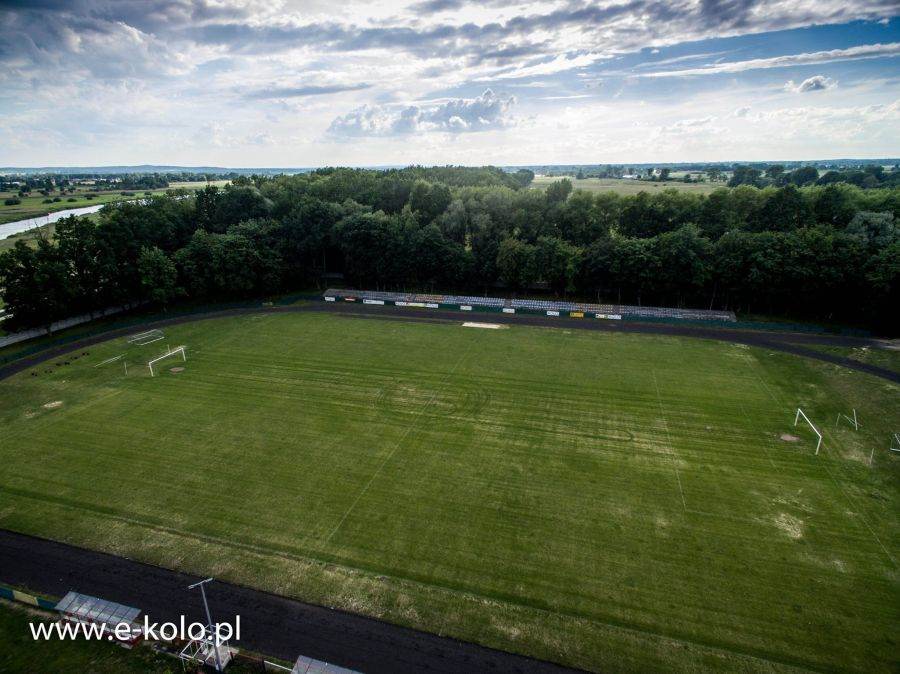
823	252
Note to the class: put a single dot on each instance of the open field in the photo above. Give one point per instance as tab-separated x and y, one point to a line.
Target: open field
33	206
627	187
609	501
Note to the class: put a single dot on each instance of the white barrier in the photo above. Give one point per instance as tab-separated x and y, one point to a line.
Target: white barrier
508	310
373	301
465	307
553	313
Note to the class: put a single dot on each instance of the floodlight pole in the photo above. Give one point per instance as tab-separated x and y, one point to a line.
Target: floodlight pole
209	620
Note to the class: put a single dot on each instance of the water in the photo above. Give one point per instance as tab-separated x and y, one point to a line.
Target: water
11	228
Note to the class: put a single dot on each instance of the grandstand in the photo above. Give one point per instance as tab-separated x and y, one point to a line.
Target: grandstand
548	307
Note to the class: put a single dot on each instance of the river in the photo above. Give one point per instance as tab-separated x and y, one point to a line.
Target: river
11	228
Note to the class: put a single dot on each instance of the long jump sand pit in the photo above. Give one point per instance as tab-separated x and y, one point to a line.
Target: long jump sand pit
486	326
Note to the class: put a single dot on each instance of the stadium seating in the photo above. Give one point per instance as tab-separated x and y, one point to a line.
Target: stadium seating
541	306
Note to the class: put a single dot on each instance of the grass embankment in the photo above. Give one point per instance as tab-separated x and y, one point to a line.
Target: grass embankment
612	502
888	358
627	187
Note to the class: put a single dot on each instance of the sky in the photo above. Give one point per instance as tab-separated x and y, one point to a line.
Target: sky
302	83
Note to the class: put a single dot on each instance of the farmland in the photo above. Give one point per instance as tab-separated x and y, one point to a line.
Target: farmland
628	187
607	501
33	206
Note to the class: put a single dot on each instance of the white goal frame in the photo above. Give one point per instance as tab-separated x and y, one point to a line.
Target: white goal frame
853	422
172	352
801	413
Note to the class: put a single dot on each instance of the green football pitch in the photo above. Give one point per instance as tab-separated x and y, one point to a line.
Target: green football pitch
608	501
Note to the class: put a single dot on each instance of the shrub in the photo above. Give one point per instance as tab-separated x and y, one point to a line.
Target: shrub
47	201
127	194
12	201
71	199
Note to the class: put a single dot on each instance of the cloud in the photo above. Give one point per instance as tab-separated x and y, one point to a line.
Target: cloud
302	91
867	51
742	111
486	112
814	83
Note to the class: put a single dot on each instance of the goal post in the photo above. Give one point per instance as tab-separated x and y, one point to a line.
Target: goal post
167	354
853	422
801	413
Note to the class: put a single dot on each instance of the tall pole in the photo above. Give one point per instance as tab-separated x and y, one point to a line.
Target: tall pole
209	621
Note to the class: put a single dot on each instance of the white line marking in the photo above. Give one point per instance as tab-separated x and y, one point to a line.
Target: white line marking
390	455
669	439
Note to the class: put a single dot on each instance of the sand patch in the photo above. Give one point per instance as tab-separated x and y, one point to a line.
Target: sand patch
176	370
787	437
53	405
792	526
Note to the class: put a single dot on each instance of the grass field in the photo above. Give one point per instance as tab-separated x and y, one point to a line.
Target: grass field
627	187
33	206
613	502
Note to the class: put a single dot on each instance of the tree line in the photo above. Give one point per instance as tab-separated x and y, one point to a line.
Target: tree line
828	252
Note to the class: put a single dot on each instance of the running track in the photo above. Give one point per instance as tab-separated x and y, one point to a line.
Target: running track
283	627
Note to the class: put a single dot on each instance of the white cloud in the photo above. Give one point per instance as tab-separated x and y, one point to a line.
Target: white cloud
868	51
485	112
814	83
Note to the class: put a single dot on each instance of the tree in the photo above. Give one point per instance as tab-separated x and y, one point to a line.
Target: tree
429	200
159	276
774	171
635	265
35	284
683	262
516	263
557	192
805	175
557	262
783	210
873	230
745	175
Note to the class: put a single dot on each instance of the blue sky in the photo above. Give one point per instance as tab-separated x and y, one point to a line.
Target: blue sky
312	83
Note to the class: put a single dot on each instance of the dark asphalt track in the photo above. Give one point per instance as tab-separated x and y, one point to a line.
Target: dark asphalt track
284	627
277	626
777	341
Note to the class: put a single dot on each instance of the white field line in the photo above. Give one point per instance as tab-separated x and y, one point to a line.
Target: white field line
109	360
669	440
141	335
397	444
150	342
